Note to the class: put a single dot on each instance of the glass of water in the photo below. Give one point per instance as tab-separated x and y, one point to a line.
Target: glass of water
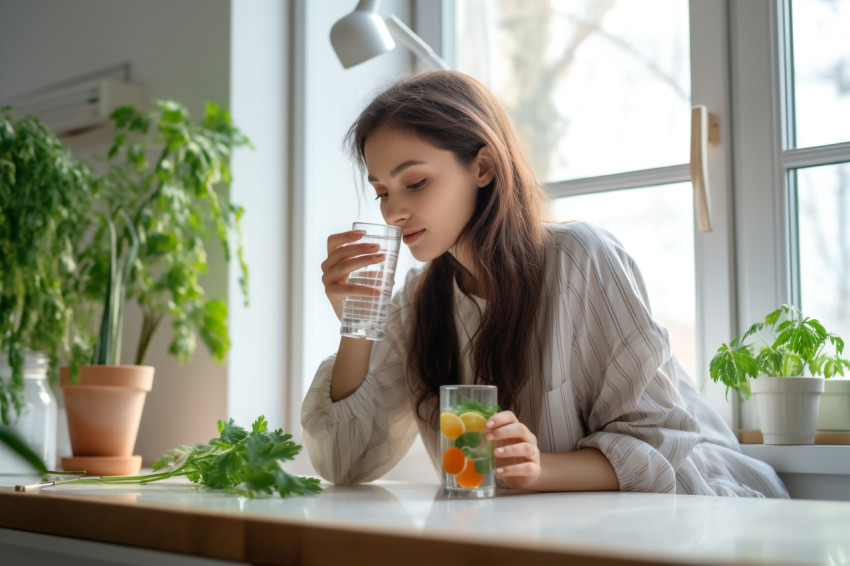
468	464
366	316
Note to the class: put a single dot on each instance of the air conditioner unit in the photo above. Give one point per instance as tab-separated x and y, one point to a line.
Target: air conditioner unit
72	109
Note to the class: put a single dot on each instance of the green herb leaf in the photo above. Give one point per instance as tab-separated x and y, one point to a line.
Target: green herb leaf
469	439
240	462
466	404
10	439
482	465
230	433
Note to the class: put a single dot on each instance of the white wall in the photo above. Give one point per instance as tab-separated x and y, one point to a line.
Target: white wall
326	190
260	83
178	50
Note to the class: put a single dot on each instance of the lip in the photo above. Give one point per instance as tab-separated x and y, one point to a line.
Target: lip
412	236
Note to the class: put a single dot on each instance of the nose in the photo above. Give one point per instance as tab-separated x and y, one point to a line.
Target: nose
396	210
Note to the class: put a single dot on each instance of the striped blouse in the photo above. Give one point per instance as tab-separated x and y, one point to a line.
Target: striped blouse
609	381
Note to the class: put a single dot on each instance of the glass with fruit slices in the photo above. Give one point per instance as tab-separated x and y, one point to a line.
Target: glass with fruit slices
468	465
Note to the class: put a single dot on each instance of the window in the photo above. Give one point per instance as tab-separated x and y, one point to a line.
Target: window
790	74
606	86
600	95
817	112
823	267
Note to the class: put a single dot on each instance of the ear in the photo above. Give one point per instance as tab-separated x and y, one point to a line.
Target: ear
484	167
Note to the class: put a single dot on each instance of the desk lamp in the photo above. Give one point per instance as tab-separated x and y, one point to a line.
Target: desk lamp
363	34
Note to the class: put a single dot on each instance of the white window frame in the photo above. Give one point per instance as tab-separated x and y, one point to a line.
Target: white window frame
766	240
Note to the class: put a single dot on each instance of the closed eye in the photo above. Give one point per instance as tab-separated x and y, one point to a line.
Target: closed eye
381	196
416	186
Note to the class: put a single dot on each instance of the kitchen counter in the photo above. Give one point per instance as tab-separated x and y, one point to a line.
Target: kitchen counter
410	523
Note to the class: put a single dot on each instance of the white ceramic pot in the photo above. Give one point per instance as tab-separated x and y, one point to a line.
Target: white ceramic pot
834	413
787	408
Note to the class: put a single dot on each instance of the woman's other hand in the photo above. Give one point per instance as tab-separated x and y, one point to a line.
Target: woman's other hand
517	455
343	258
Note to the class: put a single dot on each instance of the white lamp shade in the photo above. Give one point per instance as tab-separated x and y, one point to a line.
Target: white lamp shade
360	36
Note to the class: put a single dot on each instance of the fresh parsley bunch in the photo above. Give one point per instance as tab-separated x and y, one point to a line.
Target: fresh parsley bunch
240	462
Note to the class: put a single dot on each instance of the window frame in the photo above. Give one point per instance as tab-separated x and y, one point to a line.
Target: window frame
768	267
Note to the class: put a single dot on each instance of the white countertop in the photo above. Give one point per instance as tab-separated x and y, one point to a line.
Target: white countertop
652	527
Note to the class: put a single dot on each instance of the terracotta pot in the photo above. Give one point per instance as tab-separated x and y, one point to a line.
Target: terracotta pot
105	408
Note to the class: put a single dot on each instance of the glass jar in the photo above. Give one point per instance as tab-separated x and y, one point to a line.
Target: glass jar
36	423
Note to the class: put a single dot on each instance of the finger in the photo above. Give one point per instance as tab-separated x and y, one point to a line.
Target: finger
343	253
340	271
501	419
339	292
516	470
524	450
336	240
517	431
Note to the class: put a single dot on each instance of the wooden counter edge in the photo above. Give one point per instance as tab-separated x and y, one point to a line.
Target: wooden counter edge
257	540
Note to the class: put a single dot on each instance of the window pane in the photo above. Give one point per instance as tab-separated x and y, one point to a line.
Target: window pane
655	225
593	86
821	61
823	200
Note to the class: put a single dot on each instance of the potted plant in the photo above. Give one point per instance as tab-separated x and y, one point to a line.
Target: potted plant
793	353
45	195
149	247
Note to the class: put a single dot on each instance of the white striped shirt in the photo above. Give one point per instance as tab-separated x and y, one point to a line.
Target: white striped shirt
609	381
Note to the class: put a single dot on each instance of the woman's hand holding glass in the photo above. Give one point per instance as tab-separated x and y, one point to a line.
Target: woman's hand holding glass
517	455
339	265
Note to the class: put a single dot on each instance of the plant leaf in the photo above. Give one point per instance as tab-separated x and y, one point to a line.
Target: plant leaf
19	447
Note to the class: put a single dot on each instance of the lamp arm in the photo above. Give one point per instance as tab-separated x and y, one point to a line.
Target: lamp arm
413	42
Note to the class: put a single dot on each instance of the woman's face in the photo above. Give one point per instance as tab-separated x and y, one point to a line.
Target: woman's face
423	189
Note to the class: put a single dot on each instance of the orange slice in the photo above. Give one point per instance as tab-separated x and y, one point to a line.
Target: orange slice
450	425
469	477
453	460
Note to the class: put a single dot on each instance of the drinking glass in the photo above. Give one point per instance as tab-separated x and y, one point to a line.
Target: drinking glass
468	465
366	316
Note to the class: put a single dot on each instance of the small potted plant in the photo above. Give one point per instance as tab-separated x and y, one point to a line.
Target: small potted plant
793	354
45	196
148	246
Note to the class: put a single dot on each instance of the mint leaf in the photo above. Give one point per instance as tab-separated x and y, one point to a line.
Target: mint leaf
482	466
466	404
469	439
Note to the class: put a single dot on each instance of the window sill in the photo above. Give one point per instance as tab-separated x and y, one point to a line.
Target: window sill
806	459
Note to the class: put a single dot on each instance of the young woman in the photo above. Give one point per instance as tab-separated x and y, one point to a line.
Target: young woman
555	315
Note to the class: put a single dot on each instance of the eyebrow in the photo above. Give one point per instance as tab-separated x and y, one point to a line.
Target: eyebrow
398	169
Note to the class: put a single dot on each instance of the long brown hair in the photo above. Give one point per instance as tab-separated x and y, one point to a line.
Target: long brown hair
455	112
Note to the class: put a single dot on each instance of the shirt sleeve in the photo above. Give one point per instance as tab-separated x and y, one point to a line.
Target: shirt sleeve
360	438
625	375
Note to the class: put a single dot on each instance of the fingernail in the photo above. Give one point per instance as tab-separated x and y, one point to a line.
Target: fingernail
489	437
490	424
500	471
499	450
